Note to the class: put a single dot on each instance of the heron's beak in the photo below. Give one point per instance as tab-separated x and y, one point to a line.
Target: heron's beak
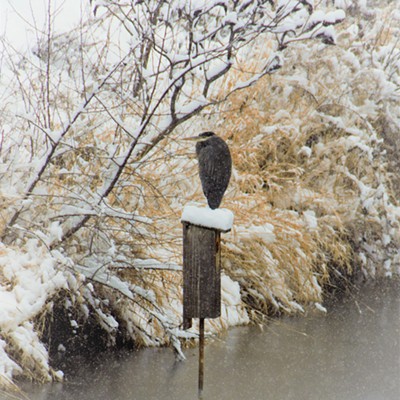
192	138
196	138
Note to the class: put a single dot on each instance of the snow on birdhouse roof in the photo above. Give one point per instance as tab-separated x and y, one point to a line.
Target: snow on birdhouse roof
220	218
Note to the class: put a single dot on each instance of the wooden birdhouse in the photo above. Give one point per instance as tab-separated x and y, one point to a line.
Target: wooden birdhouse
202	229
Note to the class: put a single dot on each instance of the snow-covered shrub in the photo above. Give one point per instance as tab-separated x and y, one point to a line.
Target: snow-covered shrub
30	277
310	152
311	190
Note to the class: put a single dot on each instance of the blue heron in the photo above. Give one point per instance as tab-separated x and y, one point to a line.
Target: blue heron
215	166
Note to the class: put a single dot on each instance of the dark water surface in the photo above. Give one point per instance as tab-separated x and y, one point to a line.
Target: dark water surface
352	353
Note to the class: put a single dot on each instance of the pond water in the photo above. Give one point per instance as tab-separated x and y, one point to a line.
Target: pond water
352	353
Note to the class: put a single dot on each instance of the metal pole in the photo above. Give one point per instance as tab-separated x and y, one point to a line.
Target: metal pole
201	357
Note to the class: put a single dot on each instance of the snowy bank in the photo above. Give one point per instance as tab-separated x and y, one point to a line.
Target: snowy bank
29	277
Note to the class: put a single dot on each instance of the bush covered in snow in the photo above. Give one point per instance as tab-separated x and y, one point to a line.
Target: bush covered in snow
93	177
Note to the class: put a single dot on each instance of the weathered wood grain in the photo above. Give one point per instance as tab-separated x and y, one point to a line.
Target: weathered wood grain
201	273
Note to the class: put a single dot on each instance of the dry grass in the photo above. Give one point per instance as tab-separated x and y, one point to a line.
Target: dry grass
291	156
277	182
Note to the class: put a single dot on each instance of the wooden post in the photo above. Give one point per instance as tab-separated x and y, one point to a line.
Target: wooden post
201	357
201	281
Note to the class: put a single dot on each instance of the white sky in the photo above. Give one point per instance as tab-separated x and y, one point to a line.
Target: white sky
18	18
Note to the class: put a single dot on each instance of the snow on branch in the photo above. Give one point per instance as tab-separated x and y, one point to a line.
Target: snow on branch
134	293
56	140
161	69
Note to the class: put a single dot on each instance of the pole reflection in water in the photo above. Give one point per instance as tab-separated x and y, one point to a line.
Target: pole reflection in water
352	353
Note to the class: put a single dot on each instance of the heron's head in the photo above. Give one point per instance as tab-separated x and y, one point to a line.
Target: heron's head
201	137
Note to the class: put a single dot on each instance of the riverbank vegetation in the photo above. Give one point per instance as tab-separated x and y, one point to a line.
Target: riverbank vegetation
94	176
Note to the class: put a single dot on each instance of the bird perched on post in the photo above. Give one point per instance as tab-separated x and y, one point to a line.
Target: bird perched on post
215	166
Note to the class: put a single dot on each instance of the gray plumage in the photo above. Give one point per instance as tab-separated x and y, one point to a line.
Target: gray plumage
215	166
